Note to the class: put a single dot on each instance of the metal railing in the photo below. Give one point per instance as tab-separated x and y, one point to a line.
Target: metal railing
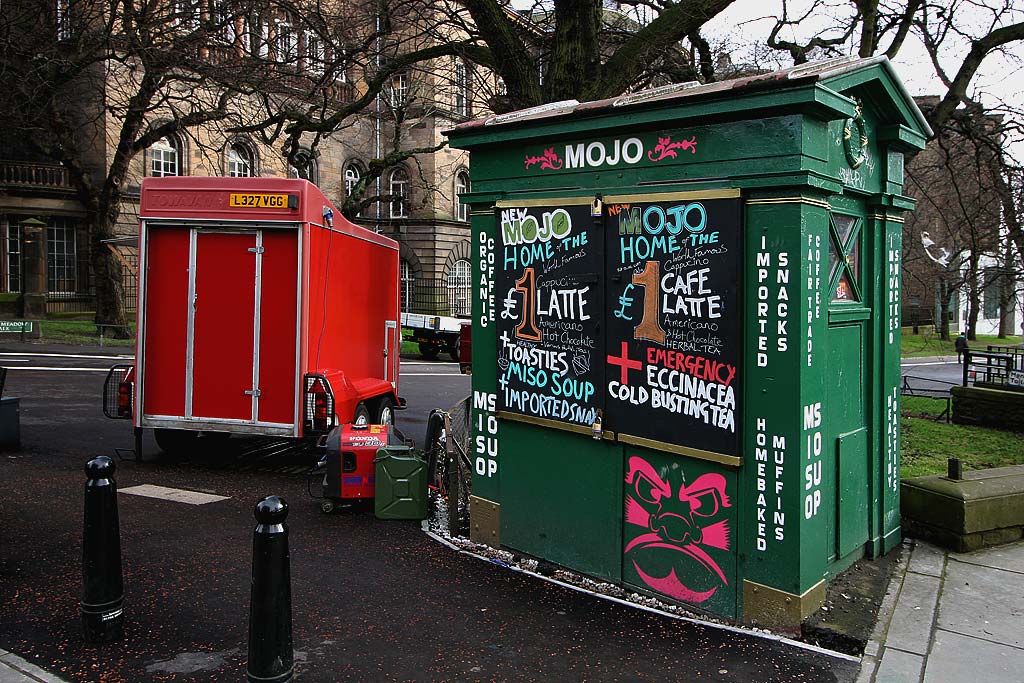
927	387
989	369
70	302
436	297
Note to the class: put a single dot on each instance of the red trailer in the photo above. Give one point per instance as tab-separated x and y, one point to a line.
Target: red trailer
261	311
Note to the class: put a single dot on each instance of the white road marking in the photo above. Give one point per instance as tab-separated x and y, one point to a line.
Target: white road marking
67	355
918	365
37	367
429	374
174	495
422	362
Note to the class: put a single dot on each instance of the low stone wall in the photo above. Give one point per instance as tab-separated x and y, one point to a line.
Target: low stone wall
984	508
989	407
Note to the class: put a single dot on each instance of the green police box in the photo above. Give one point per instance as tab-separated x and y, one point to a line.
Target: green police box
686	334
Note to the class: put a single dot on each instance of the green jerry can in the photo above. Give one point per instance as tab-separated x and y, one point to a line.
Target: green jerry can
401	484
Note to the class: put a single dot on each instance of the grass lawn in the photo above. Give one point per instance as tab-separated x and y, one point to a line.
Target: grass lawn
927	443
927	343
71	331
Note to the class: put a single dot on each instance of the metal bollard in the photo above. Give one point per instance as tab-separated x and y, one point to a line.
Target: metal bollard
102	583
270	605
954	469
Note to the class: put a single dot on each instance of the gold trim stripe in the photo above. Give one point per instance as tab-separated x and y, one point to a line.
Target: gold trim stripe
550	201
552	424
883	217
730	460
731	193
790	200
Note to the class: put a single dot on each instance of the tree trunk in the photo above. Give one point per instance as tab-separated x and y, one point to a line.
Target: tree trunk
973	306
108	275
943	321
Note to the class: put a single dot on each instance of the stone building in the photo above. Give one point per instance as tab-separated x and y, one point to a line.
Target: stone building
419	206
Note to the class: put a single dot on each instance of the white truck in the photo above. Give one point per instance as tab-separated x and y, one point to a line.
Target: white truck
433	333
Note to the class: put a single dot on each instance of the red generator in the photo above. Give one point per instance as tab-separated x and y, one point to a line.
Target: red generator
350	470
261	311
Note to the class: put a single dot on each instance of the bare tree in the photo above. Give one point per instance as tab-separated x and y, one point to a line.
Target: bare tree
92	84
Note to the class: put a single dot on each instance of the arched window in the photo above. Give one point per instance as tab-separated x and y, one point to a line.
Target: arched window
407	282
241	161
305	167
461	187
353	174
398	188
460	288
165	157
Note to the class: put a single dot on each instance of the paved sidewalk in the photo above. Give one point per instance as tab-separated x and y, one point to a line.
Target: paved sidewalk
951	617
14	669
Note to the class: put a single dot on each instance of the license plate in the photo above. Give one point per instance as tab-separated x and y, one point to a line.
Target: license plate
259	201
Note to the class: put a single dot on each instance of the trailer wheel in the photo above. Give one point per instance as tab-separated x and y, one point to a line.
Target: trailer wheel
429	351
175	441
361	416
385	411
327	506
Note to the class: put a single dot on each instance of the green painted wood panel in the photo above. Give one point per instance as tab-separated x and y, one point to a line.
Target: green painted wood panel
563	498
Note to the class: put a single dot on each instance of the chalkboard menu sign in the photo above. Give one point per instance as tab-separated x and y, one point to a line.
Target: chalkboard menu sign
624	309
549	285
673	333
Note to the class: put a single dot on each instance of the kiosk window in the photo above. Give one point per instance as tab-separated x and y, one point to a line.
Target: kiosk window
844	257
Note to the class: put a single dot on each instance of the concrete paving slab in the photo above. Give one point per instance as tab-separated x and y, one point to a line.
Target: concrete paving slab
983	602
14	669
927	559
911	625
899	667
956	658
1009	557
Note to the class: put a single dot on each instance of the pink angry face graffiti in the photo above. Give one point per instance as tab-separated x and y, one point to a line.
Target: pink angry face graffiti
670	526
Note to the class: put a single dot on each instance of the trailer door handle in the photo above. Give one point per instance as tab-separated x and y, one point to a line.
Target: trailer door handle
252	392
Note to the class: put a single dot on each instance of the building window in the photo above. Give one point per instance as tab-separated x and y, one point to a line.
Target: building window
399	191
461	103
63	17
61	275
353	174
186	14
165	157
313	53
241	161
406	282
13	254
305	167
460	286
461	187
224	20
398	92
287	47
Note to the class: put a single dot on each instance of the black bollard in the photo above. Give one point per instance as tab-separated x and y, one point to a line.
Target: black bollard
954	469
270	604
102	584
